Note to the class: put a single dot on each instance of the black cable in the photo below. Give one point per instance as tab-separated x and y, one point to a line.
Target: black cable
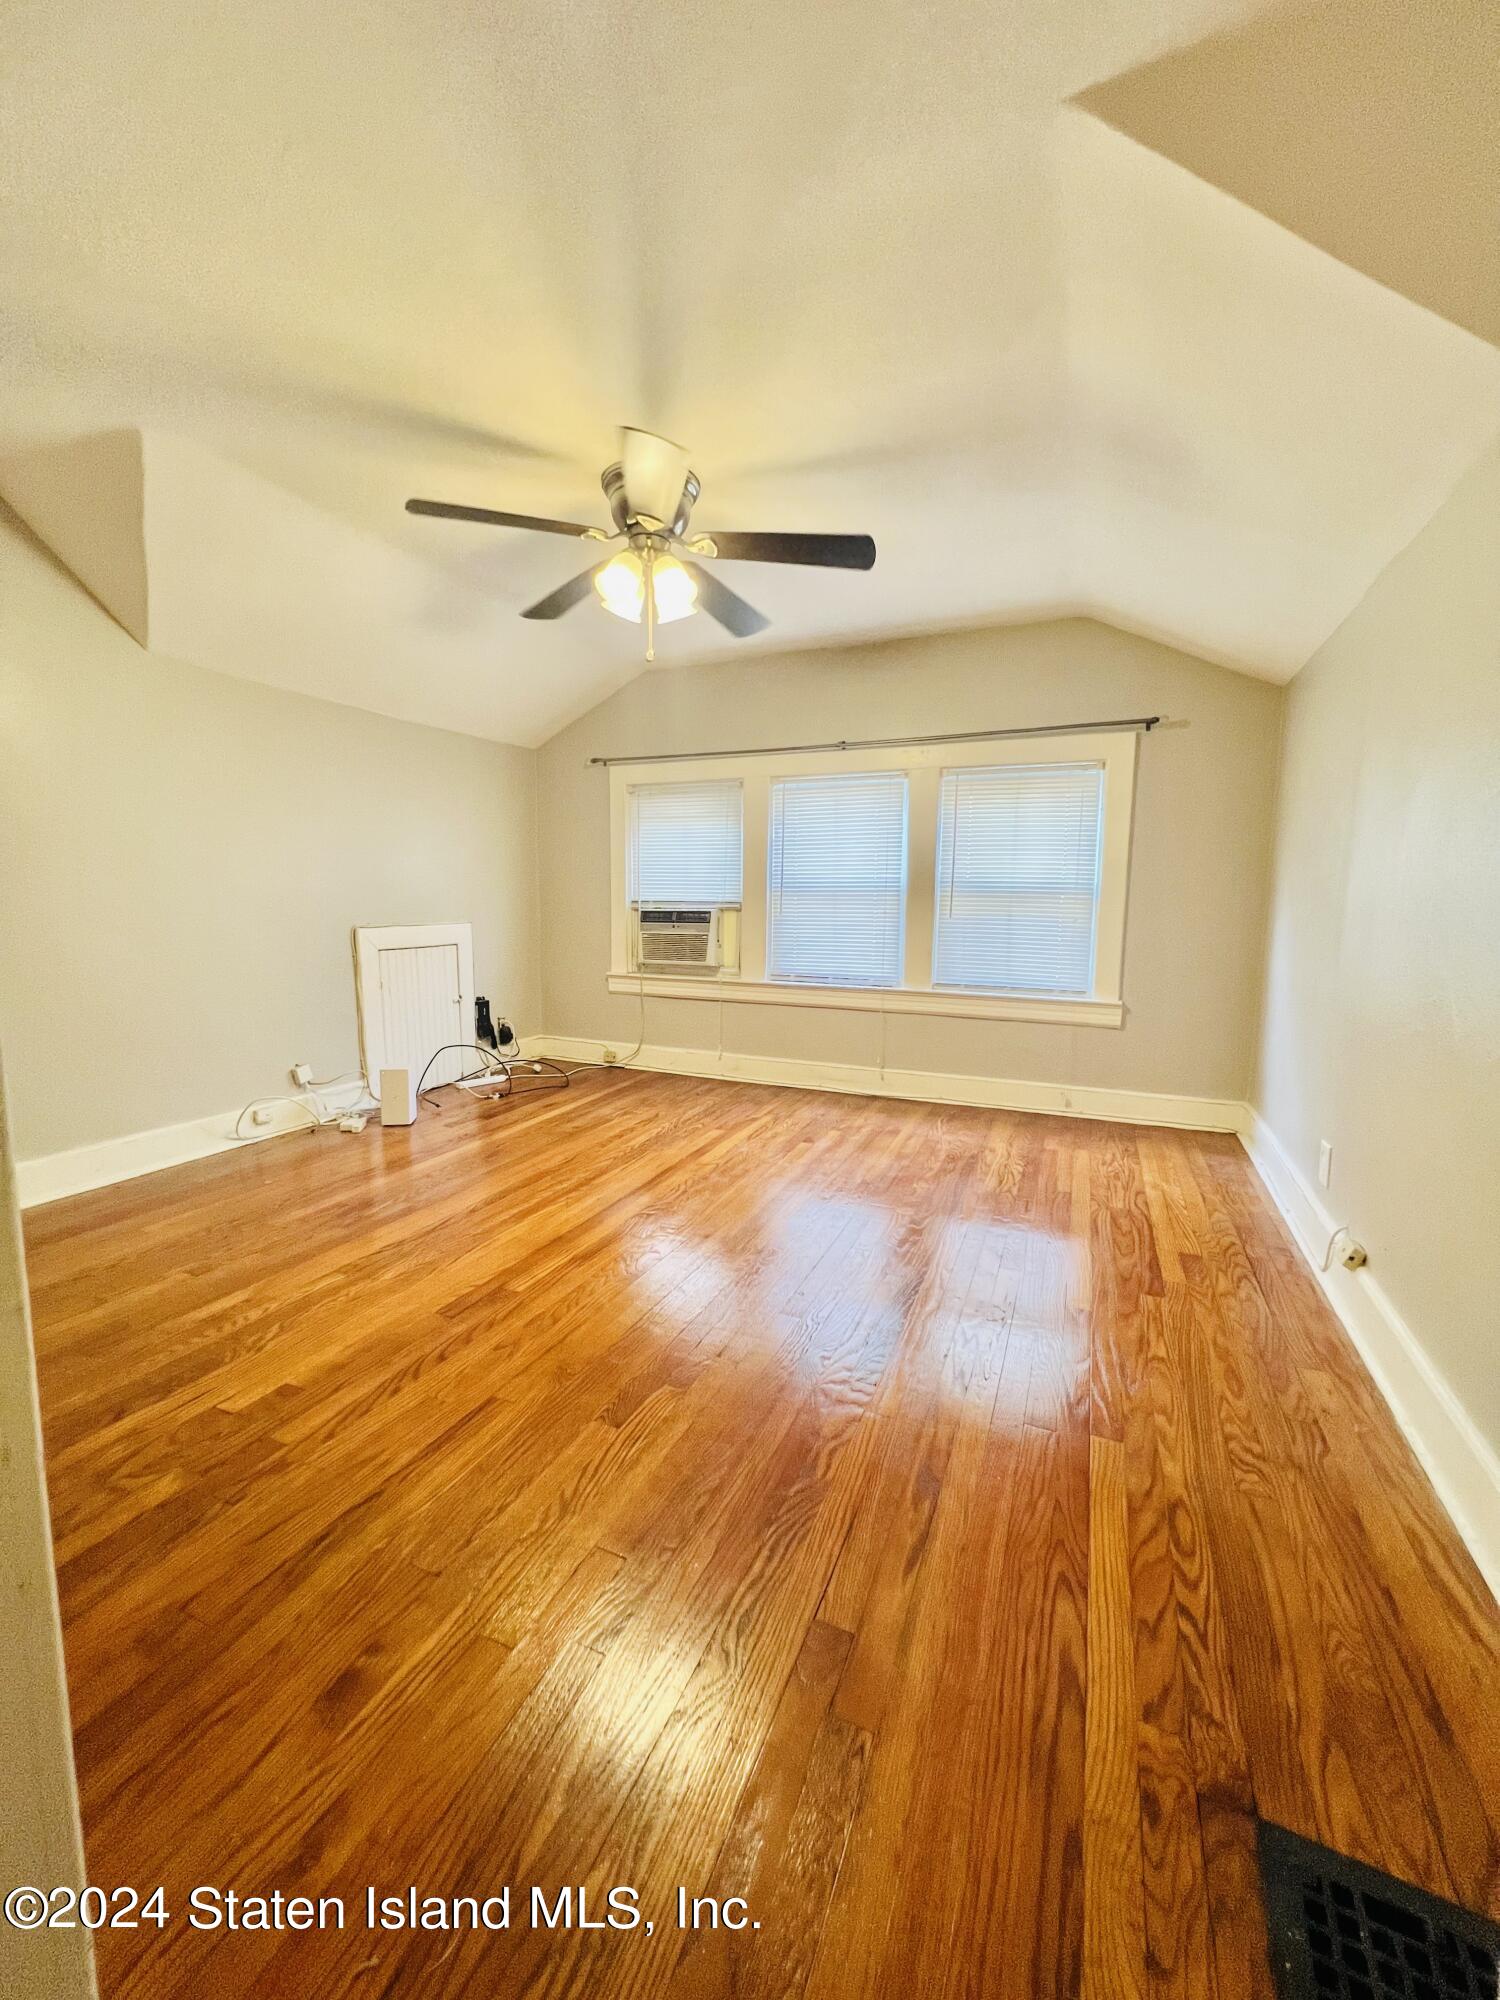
494	1066
537	1065
492	1063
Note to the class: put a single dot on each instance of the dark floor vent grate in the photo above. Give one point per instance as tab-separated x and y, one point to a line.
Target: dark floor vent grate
1341	1931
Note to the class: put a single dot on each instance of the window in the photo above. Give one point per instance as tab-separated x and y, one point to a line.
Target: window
985	881
686	843
836	880
1018	874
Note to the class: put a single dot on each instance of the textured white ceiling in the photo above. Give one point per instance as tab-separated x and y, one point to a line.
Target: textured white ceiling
864	260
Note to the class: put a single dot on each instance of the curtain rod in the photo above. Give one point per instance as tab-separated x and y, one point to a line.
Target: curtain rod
1143	723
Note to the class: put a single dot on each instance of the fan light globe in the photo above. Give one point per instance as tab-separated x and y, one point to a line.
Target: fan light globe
621	586
676	592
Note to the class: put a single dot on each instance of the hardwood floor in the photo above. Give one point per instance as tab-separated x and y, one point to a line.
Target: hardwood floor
941	1528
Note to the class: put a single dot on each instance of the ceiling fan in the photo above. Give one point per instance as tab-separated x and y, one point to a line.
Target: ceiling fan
651	494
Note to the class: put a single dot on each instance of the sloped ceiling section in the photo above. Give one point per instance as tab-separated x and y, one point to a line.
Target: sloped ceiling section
870	263
203	561
1258	429
253	580
86	499
1370	127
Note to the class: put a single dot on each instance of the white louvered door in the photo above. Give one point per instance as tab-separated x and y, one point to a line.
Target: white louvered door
416	994
421	999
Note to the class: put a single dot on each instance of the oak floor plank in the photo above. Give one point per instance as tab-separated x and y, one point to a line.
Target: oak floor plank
798	1894
1023	1902
717	1960
1179	1958
1126	1270
1114	1917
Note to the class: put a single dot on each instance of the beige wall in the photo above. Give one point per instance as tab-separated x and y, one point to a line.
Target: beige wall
1199	872
39	1839
182	857
1382	1019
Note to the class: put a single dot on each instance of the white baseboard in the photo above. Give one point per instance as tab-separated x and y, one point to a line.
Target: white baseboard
1462	1466
1132	1107
55	1175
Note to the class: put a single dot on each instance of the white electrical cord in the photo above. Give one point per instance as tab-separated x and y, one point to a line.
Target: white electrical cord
319	1114
317	1121
1333	1242
622	1062
331	1114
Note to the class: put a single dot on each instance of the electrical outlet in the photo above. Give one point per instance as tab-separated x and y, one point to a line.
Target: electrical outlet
1325	1162
611	1055
301	1075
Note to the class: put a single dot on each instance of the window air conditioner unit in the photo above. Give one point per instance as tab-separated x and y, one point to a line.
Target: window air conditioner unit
679	940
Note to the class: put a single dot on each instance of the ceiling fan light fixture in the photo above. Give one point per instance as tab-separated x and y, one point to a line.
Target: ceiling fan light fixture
651	493
621	586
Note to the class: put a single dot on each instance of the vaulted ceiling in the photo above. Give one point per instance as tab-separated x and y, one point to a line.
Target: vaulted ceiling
1171	312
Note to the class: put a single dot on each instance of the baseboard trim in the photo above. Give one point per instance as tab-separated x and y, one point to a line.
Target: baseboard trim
1463	1468
1131	1107
54	1176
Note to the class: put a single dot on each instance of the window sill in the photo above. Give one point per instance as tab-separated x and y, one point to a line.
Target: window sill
874	1000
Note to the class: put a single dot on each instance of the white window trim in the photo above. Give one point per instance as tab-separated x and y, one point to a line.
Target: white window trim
923	764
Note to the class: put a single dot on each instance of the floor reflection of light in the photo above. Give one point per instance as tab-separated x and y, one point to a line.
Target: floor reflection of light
662	1257
656	1696
882	1272
1009	1293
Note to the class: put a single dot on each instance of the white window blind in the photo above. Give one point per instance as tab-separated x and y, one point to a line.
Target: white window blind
1018	878
836	880
687	843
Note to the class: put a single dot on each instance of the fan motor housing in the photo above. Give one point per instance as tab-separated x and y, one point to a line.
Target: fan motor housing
613	481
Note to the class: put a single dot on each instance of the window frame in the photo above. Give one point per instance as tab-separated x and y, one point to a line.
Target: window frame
923	764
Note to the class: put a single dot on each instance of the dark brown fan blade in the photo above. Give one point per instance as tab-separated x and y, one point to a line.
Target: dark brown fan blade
574	591
820	551
720	602
447	510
